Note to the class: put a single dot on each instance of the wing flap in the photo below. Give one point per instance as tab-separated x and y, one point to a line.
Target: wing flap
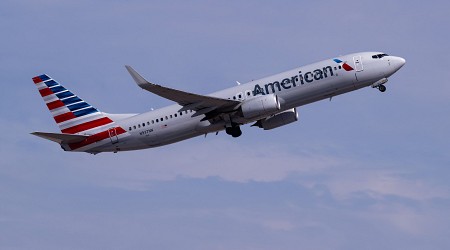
61	138
187	100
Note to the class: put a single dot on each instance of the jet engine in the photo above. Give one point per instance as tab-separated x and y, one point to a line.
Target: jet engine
278	120
260	106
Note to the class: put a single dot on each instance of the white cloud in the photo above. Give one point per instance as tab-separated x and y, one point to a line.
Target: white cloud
344	176
381	182
230	160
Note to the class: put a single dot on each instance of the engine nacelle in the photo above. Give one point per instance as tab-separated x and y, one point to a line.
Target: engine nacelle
278	120
260	106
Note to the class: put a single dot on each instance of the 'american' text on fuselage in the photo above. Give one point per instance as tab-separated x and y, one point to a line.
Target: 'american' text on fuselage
293	81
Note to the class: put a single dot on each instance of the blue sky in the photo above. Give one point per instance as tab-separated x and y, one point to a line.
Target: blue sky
364	171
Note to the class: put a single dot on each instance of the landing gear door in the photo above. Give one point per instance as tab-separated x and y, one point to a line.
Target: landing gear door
113	135
358	63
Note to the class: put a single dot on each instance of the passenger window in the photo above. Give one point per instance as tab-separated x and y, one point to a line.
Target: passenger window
157	120
153	122
148	123
248	93
161	119
340	67
167	118
134	127
171	116
139	125
143	124
175	115
129	128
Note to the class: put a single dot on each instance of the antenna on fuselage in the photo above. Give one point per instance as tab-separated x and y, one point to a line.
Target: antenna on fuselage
238	83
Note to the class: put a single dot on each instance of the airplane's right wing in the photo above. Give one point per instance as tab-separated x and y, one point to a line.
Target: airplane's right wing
200	103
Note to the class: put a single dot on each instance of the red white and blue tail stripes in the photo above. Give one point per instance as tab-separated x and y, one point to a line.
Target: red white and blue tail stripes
72	114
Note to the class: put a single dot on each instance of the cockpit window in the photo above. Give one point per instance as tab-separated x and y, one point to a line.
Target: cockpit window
379	56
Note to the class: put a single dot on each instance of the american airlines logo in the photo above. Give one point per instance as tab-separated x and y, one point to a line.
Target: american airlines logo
301	78
294	81
344	65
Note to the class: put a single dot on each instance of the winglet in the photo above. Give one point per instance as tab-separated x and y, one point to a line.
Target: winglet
137	77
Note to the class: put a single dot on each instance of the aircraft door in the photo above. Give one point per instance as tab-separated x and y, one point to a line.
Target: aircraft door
113	135
358	63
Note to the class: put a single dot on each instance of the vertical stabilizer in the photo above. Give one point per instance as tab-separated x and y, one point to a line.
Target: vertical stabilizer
71	113
75	116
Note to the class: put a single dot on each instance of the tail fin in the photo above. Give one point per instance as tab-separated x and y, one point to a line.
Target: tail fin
71	113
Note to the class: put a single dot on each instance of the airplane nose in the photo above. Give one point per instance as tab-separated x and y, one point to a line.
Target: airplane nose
397	62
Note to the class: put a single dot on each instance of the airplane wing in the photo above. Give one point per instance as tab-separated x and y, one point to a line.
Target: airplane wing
200	103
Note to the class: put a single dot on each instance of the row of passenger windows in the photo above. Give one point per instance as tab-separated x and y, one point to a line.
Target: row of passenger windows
239	96
379	56
167	117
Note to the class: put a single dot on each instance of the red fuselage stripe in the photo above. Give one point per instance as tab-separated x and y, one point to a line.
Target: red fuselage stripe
87	125
64	117
95	138
45	92
37	80
55	104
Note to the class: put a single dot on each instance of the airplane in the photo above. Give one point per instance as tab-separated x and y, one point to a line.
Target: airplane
268	103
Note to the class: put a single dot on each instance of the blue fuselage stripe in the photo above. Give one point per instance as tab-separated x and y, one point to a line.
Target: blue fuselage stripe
64	94
78	106
51	83
57	89
44	77
71	100
85	112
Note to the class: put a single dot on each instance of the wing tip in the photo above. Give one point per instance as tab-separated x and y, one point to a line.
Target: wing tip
136	76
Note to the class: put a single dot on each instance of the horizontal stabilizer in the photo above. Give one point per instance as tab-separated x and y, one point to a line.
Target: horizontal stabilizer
61	138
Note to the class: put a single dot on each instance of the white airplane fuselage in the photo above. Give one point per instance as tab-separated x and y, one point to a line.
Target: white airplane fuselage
293	88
